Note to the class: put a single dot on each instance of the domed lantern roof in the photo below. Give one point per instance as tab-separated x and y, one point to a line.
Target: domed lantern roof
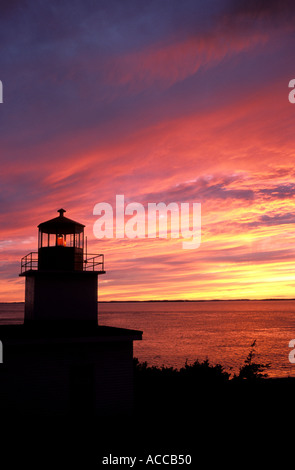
61	224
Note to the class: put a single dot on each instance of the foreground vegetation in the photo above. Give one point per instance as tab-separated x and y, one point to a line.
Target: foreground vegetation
204	371
165	388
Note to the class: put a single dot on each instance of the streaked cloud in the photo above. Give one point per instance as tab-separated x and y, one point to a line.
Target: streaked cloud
161	101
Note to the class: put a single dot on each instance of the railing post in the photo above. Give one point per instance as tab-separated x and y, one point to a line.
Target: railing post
94	263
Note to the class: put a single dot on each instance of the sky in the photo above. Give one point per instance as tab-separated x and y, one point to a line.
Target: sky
159	101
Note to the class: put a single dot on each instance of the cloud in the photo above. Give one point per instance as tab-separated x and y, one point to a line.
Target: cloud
272	220
264	9
204	188
281	191
160	101
241	255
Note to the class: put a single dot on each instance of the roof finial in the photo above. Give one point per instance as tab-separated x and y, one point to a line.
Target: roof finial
61	212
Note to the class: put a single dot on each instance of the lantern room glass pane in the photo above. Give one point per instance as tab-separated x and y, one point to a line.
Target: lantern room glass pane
44	239
52	239
70	239
77	240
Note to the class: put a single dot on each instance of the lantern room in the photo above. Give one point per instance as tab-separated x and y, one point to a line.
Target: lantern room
60	244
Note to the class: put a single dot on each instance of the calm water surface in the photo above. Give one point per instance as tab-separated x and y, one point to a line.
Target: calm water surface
174	332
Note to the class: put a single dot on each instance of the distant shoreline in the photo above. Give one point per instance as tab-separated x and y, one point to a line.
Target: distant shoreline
164	300
212	300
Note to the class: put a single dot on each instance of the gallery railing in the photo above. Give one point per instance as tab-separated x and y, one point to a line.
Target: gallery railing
91	262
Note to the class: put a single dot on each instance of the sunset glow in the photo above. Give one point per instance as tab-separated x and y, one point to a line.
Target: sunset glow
172	102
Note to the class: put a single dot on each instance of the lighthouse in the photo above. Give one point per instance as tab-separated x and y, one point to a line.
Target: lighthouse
61	280
60	360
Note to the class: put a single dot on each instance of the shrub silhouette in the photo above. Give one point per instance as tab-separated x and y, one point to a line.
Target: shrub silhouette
142	369
166	391
165	388
204	371
201	371
198	371
252	370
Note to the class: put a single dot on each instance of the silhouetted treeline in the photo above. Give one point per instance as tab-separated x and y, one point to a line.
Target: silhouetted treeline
202	385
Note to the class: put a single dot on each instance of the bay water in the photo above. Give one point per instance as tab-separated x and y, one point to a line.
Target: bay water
222	331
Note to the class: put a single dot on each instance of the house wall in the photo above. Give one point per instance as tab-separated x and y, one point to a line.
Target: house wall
67	378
